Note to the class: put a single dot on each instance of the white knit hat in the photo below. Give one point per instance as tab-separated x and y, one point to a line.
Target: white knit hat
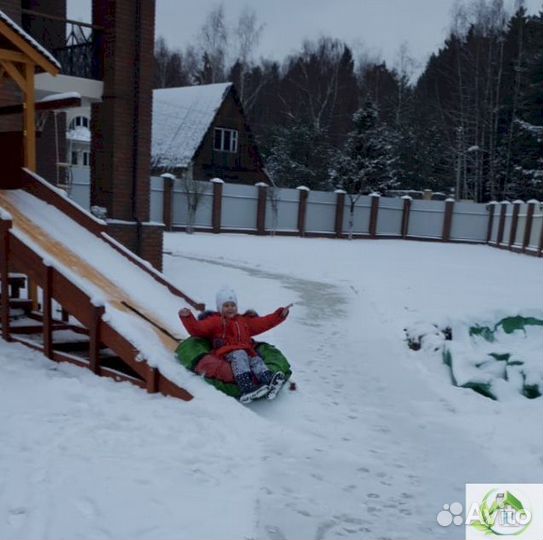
226	294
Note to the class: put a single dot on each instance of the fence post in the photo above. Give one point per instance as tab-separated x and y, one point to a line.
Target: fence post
94	338
514	223
447	220
374	214
529	222
405	215
501	225
340	211
47	311
261	208
302	208
5	226
217	204
167	200
491	207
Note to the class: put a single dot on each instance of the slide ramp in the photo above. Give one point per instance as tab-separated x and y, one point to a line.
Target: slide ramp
125	306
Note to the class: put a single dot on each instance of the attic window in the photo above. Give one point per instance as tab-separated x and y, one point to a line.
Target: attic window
226	140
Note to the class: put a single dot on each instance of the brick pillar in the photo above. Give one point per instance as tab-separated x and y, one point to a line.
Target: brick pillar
501	224
216	216
447	220
121	123
405	215
374	214
529	223
302	208
50	33
491	207
340	211
514	223
261	208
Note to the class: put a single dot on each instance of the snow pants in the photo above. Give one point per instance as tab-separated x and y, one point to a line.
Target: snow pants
243	365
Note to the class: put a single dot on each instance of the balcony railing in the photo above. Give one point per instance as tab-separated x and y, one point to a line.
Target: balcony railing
75	44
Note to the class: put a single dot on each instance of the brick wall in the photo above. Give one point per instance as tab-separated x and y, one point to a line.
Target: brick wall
121	124
49	33
9	92
152	240
46	147
12	8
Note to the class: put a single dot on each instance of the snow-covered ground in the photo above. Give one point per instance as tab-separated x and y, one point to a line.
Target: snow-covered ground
371	444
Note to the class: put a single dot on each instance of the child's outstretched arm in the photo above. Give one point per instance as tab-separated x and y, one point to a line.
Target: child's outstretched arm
257	325
203	329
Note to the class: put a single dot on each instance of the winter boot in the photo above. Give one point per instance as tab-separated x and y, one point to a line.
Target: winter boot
249	390
277	382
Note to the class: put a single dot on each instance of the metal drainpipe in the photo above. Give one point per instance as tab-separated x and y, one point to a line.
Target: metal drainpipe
135	132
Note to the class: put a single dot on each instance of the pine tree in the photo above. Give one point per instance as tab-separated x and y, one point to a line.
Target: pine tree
366	161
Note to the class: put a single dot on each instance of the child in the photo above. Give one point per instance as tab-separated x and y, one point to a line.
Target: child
230	334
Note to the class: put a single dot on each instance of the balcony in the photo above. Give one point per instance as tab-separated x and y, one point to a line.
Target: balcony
75	44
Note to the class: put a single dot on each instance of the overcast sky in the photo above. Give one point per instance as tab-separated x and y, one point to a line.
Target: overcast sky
379	26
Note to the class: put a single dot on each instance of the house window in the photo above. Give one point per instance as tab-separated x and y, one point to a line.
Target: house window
226	140
74	158
86	159
79	121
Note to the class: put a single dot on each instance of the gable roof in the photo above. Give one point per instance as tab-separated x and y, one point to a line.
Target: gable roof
181	118
10	31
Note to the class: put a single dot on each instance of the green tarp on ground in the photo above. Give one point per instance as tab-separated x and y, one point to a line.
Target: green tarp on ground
495	360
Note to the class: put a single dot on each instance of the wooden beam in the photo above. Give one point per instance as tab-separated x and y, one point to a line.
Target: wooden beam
14	56
30	120
94	338
14	73
29	50
47	312
4	277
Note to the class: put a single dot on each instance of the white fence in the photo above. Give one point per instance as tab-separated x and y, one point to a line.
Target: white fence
236	208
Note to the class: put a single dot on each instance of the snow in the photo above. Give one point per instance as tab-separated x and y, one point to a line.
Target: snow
181	118
79	133
60	96
29	39
371	445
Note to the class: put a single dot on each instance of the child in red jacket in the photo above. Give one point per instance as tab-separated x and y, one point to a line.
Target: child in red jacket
230	334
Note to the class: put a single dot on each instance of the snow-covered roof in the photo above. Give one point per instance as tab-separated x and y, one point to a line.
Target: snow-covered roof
29	39
181	118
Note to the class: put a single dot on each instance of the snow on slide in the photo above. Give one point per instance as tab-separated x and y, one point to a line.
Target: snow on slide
106	276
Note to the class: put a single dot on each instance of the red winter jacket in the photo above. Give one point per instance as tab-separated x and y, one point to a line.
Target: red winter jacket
231	334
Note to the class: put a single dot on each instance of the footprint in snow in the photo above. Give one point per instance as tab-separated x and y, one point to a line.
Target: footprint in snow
17	516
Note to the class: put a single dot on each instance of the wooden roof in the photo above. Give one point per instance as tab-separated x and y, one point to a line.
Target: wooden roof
18	46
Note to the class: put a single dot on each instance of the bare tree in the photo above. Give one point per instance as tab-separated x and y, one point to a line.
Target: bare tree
248	32
213	40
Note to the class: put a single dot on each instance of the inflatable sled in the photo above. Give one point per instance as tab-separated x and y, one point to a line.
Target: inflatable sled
195	354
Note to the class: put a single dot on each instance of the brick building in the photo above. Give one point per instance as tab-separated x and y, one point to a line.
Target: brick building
94	59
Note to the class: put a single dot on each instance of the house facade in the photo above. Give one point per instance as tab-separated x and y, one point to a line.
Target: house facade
201	132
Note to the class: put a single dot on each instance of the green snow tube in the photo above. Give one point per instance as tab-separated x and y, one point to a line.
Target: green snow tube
193	351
